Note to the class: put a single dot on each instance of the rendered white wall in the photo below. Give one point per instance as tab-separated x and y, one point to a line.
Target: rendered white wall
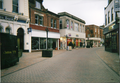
39	33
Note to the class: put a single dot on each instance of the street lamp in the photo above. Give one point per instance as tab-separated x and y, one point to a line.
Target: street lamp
47	36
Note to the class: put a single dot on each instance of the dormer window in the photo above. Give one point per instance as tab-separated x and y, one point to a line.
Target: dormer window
38	5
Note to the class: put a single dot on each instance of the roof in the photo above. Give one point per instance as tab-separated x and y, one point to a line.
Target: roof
71	16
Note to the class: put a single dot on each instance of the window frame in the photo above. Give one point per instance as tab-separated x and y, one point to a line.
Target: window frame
1	4
16	6
60	23
55	24
41	20
37	4
51	22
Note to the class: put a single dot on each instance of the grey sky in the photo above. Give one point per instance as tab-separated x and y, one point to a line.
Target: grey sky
92	11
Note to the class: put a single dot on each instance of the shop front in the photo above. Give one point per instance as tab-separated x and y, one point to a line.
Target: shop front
112	39
39	40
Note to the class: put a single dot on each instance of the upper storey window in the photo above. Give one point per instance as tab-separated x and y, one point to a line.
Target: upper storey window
15	6
67	22
38	5
1	4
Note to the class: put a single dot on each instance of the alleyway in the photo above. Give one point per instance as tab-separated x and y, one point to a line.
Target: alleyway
76	66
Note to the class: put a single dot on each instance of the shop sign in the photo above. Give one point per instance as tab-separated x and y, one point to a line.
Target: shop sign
69	34
111	27
6	18
77	35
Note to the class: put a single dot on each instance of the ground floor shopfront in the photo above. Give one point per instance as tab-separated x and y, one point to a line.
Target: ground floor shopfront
65	41
39	40
112	39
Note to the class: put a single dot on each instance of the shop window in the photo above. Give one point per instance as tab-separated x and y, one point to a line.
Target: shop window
35	43
42	43
55	24
15	6
1	4
51	23
60	24
38	5
1	29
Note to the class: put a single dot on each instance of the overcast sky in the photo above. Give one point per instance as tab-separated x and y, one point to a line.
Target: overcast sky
91	11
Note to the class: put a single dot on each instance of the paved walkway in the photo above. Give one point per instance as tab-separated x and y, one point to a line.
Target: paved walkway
111	59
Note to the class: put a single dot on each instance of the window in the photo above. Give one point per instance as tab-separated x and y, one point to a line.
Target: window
67	22
71	25
15	6
98	31
112	14
38	5
41	20
108	17
80	27
95	29
1	29
51	23
36	19
83	30
76	27
55	24
60	24
35	43
8	30
1	4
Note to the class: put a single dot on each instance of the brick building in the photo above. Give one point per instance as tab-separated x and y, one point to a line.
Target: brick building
94	33
40	19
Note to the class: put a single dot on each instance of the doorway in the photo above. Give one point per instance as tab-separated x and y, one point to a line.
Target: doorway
20	35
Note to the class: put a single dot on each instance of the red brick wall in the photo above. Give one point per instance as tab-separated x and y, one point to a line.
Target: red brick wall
90	29
46	20
43	28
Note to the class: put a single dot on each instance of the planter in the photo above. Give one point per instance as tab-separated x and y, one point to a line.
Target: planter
47	53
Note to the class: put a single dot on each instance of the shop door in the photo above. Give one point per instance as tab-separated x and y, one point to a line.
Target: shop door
20	35
114	43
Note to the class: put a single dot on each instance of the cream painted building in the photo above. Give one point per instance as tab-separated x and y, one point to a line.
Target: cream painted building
14	19
72	29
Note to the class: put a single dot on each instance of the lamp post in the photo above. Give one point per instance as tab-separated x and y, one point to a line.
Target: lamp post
47	36
66	41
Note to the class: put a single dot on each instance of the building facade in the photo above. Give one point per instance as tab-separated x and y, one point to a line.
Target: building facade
14	19
40	19
72	29
94	33
111	31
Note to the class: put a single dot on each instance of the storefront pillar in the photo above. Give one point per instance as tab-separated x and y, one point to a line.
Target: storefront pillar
30	41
